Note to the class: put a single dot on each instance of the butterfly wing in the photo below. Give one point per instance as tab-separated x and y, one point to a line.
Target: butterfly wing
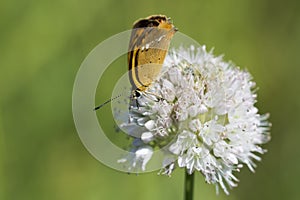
148	47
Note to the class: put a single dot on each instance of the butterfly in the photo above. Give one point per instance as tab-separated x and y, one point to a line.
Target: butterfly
149	43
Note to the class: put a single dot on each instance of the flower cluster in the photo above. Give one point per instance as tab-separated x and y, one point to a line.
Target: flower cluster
201	113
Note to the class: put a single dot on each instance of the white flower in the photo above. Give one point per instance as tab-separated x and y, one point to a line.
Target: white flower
139	158
205	113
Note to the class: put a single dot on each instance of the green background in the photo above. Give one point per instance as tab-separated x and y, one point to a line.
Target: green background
42	44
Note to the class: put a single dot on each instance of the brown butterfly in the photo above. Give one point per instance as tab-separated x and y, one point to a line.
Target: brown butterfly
149	44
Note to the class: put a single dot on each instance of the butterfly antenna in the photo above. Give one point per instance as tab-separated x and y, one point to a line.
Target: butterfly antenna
106	102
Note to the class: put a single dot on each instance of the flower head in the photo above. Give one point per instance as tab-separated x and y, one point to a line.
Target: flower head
201	109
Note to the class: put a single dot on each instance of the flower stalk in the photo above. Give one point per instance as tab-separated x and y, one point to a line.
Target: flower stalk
188	186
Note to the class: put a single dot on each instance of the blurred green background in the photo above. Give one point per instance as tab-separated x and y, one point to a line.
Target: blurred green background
42	44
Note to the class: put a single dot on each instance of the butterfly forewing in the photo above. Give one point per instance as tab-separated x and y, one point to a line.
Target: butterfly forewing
149	43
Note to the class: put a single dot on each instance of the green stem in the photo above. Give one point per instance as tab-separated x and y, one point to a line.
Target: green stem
188	186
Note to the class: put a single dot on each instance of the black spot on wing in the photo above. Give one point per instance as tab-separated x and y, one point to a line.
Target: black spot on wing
146	23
